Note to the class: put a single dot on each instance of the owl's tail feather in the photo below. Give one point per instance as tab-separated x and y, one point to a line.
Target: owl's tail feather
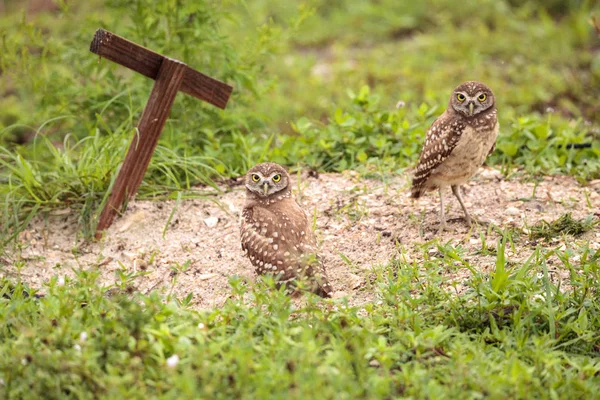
323	289
419	188
416	192
416	189
320	283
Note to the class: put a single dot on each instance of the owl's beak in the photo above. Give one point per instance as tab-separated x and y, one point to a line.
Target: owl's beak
266	188
471	106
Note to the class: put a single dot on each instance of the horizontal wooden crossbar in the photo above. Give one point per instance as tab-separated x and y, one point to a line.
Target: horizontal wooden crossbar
146	62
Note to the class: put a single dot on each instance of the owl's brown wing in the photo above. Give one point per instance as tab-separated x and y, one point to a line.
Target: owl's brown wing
280	228
279	240
440	140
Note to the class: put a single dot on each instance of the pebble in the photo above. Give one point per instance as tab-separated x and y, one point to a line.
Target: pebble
139	263
338	294
211	222
355	281
490	174
25	236
64	211
131	219
407	258
512	211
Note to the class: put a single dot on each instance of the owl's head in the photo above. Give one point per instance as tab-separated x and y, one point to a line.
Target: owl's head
267	179
472	98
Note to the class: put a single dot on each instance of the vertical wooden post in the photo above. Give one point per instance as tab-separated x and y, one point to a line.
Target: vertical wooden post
171	76
166	86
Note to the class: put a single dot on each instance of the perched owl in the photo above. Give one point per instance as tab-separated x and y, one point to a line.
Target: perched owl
276	234
457	144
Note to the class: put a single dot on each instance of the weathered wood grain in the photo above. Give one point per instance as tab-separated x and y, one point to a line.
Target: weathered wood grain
146	62
167	83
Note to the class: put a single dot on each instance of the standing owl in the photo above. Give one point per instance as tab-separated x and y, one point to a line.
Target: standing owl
457	144
275	232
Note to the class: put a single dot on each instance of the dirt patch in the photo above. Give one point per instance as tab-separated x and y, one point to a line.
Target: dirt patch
361	224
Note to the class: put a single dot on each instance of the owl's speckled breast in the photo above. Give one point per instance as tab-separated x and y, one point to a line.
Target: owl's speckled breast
470	153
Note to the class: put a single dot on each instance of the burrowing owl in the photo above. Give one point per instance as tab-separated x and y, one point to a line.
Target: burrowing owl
457	144
276	234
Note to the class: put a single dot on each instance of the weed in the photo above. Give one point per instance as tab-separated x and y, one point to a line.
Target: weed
565	225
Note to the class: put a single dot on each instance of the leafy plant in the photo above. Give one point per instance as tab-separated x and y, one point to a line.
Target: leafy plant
564	225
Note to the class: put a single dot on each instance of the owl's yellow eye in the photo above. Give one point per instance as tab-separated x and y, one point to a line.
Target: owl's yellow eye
255	177
482	97
276	178
461	97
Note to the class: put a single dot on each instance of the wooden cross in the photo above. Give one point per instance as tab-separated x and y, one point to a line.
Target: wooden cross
171	76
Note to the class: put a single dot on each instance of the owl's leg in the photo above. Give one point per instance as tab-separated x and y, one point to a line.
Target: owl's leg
442	215
456	191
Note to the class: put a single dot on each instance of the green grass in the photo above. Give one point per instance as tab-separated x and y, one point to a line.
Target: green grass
510	334
565	225
316	85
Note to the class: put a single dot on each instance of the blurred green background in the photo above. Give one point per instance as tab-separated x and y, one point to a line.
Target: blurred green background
316	84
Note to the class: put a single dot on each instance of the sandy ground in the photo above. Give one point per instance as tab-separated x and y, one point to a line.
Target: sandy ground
361	224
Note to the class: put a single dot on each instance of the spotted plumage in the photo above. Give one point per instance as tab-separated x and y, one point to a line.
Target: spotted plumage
457	143
276	234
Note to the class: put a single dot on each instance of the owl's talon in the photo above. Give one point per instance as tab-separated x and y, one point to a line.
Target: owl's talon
442	228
